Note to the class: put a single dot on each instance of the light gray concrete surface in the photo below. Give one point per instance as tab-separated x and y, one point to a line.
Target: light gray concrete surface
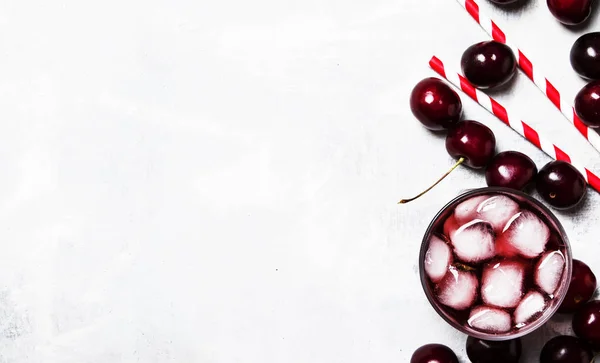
215	181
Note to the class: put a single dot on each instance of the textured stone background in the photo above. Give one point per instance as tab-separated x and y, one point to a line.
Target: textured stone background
215	181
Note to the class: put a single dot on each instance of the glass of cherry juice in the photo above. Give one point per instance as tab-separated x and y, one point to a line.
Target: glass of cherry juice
495	263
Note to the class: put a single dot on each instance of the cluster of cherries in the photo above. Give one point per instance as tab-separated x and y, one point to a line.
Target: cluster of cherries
585	55
585	59
568	12
560	349
490	65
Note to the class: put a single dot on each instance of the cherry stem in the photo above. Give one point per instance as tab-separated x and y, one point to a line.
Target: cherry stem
460	161
463	267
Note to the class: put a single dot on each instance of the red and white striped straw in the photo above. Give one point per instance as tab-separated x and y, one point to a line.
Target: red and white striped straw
514	122
533	73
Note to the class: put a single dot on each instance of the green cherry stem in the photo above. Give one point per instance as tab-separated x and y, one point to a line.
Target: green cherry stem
460	161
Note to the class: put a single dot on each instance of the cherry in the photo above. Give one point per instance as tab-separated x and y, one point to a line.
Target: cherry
434	353
435	104
472	141
581	289
488	64
587	104
561	185
570	12
510	169
586	323
566	349
585	56
482	351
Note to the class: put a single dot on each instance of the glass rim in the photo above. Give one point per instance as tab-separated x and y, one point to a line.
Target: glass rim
561	290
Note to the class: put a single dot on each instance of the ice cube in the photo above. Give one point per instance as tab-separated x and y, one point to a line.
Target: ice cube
458	289
474	241
497	211
549	270
525	233
450	226
437	259
489	319
532	304
502	283
467	210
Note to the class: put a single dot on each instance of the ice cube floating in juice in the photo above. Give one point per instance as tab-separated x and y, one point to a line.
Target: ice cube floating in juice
493	264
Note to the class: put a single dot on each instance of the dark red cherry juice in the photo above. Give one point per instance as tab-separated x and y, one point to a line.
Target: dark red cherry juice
494	264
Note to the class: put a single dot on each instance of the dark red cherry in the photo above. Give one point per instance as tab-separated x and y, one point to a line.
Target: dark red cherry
483	351
586	323
566	349
570	12
434	353
473	141
585	56
510	169
488	64
561	185
581	289
587	104
435	104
